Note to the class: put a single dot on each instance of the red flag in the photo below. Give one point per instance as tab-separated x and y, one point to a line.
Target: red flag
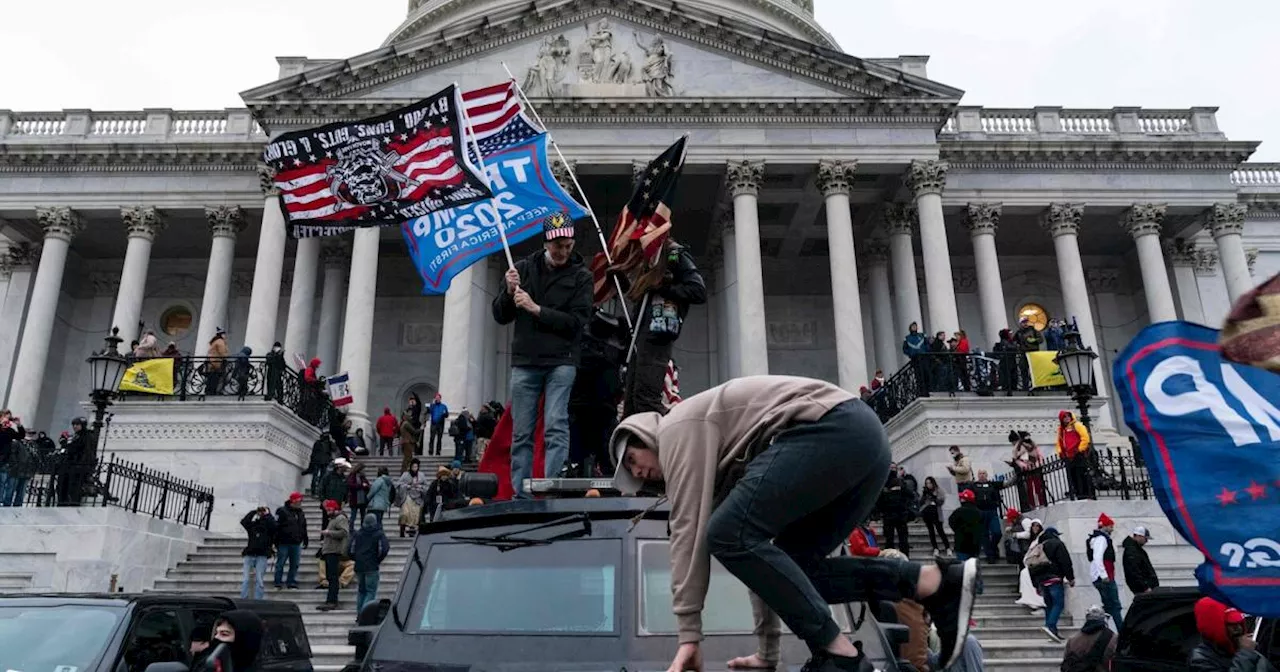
497	456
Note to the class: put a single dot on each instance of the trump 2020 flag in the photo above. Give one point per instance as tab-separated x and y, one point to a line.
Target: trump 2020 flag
382	170
340	389
1209	431
150	376
526	194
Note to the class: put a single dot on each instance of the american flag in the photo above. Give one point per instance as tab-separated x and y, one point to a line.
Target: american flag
382	170
642	229
498	118
671	386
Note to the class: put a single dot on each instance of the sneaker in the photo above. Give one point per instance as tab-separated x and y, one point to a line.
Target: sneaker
1053	636
327	606
278	587
826	662
293	587
952	608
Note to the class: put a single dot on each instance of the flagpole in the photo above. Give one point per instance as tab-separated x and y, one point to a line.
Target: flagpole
502	224
604	245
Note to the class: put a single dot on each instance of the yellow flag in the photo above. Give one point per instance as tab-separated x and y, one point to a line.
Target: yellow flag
153	376
1044	371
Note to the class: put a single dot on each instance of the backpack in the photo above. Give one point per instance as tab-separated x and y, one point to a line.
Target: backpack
453	427
1035	557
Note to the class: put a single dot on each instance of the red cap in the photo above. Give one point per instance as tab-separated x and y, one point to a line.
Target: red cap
1105	521
966	495
331	505
295	497
1212	618
1011	515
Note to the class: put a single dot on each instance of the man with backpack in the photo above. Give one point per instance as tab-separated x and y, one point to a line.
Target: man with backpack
1049	564
1091	649
1102	567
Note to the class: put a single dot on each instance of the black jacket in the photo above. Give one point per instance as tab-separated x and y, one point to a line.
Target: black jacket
291	526
485	424
966	523
262	532
1208	658
8	435
895	501
334	486
1139	575
986	494
1029	338
369	548
552	338
1059	566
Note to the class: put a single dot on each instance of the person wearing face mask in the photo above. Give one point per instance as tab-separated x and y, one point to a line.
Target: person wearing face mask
1225	645
241	631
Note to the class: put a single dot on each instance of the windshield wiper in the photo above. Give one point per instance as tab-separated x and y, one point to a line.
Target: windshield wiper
509	541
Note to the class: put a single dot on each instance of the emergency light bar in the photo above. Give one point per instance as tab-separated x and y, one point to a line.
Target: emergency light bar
569	487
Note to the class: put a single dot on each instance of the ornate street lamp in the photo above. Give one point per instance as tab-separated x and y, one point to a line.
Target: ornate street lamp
106	370
1076	364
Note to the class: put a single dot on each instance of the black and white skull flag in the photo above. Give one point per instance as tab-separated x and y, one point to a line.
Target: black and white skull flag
379	171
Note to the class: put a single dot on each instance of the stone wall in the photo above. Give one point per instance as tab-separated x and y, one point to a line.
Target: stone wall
79	549
251	453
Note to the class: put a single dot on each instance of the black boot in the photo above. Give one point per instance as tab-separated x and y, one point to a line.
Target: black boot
951	607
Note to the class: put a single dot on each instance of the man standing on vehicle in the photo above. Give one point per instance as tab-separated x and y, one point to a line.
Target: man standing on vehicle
439	412
291	538
548	297
1139	574
1102	567
769	474
678	286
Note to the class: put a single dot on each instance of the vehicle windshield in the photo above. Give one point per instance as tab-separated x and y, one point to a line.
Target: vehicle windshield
569	587
727	610
36	639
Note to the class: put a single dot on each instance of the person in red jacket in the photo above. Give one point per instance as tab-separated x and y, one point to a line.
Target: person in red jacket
387	427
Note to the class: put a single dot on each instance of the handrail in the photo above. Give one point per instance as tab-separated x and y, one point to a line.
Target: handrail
928	374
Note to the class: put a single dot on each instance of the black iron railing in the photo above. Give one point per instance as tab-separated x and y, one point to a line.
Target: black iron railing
985	374
242	378
1098	474
59	480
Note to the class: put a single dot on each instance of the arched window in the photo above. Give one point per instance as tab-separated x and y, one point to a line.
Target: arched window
1035	314
175	322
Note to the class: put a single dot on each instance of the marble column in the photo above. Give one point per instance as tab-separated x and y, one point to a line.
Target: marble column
729	290
900	221
142	224
926	180
982	220
1183	257
494	267
357	334
302	298
60	225
225	223
18	263
461	365
1062	221
834	180
882	325
1226	223
335	256
268	270
744	180
1143	222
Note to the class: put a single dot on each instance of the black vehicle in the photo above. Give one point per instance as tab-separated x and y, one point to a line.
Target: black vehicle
1160	631
562	584
129	633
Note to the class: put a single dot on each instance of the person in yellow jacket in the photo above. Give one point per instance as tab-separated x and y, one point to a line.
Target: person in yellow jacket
1073	446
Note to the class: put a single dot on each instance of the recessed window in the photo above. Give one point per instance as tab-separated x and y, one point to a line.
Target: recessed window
176	321
1035	314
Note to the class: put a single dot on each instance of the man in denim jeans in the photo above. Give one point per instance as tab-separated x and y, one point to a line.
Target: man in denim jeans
770	474
548	297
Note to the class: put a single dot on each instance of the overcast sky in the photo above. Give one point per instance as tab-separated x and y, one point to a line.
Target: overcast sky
132	54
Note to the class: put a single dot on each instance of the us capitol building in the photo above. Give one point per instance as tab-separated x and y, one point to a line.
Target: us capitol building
830	200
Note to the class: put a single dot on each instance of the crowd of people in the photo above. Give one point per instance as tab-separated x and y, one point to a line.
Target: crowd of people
26	455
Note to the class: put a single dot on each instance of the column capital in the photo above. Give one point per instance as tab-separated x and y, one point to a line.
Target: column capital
563	172
1102	279
1206	261
1251	257
1225	219
1062	219
745	176
266	180
876	249
927	177
982	218
1144	219
59	222
335	253
225	221
900	218
142	221
21	256
836	176
1181	252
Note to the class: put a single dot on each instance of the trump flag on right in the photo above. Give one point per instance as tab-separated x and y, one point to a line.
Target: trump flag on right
1209	432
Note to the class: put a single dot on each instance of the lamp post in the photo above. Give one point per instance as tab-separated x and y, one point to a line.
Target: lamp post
1076	364
106	369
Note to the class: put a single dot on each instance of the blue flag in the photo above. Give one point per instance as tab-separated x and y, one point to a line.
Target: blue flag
1209	431
443	244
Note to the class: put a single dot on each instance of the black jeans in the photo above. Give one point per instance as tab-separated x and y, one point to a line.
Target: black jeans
646	377
437	438
796	503
333	573
1078	478
895	535
931	522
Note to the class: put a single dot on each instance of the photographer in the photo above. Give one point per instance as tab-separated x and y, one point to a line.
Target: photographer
261	527
11	432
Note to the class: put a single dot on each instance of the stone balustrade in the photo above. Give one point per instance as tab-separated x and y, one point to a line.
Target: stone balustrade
1257	175
146	125
1056	122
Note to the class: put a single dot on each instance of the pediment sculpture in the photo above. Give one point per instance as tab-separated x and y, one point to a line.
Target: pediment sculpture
602	67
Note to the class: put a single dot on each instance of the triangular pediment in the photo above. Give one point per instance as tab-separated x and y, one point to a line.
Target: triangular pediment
601	49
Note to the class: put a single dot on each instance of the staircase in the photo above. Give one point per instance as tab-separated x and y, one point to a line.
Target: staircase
1009	633
216	569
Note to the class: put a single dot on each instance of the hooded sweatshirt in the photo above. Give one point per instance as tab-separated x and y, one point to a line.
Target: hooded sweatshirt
704	444
1217	650
387	424
249	628
1073	438
1139	574
309	374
